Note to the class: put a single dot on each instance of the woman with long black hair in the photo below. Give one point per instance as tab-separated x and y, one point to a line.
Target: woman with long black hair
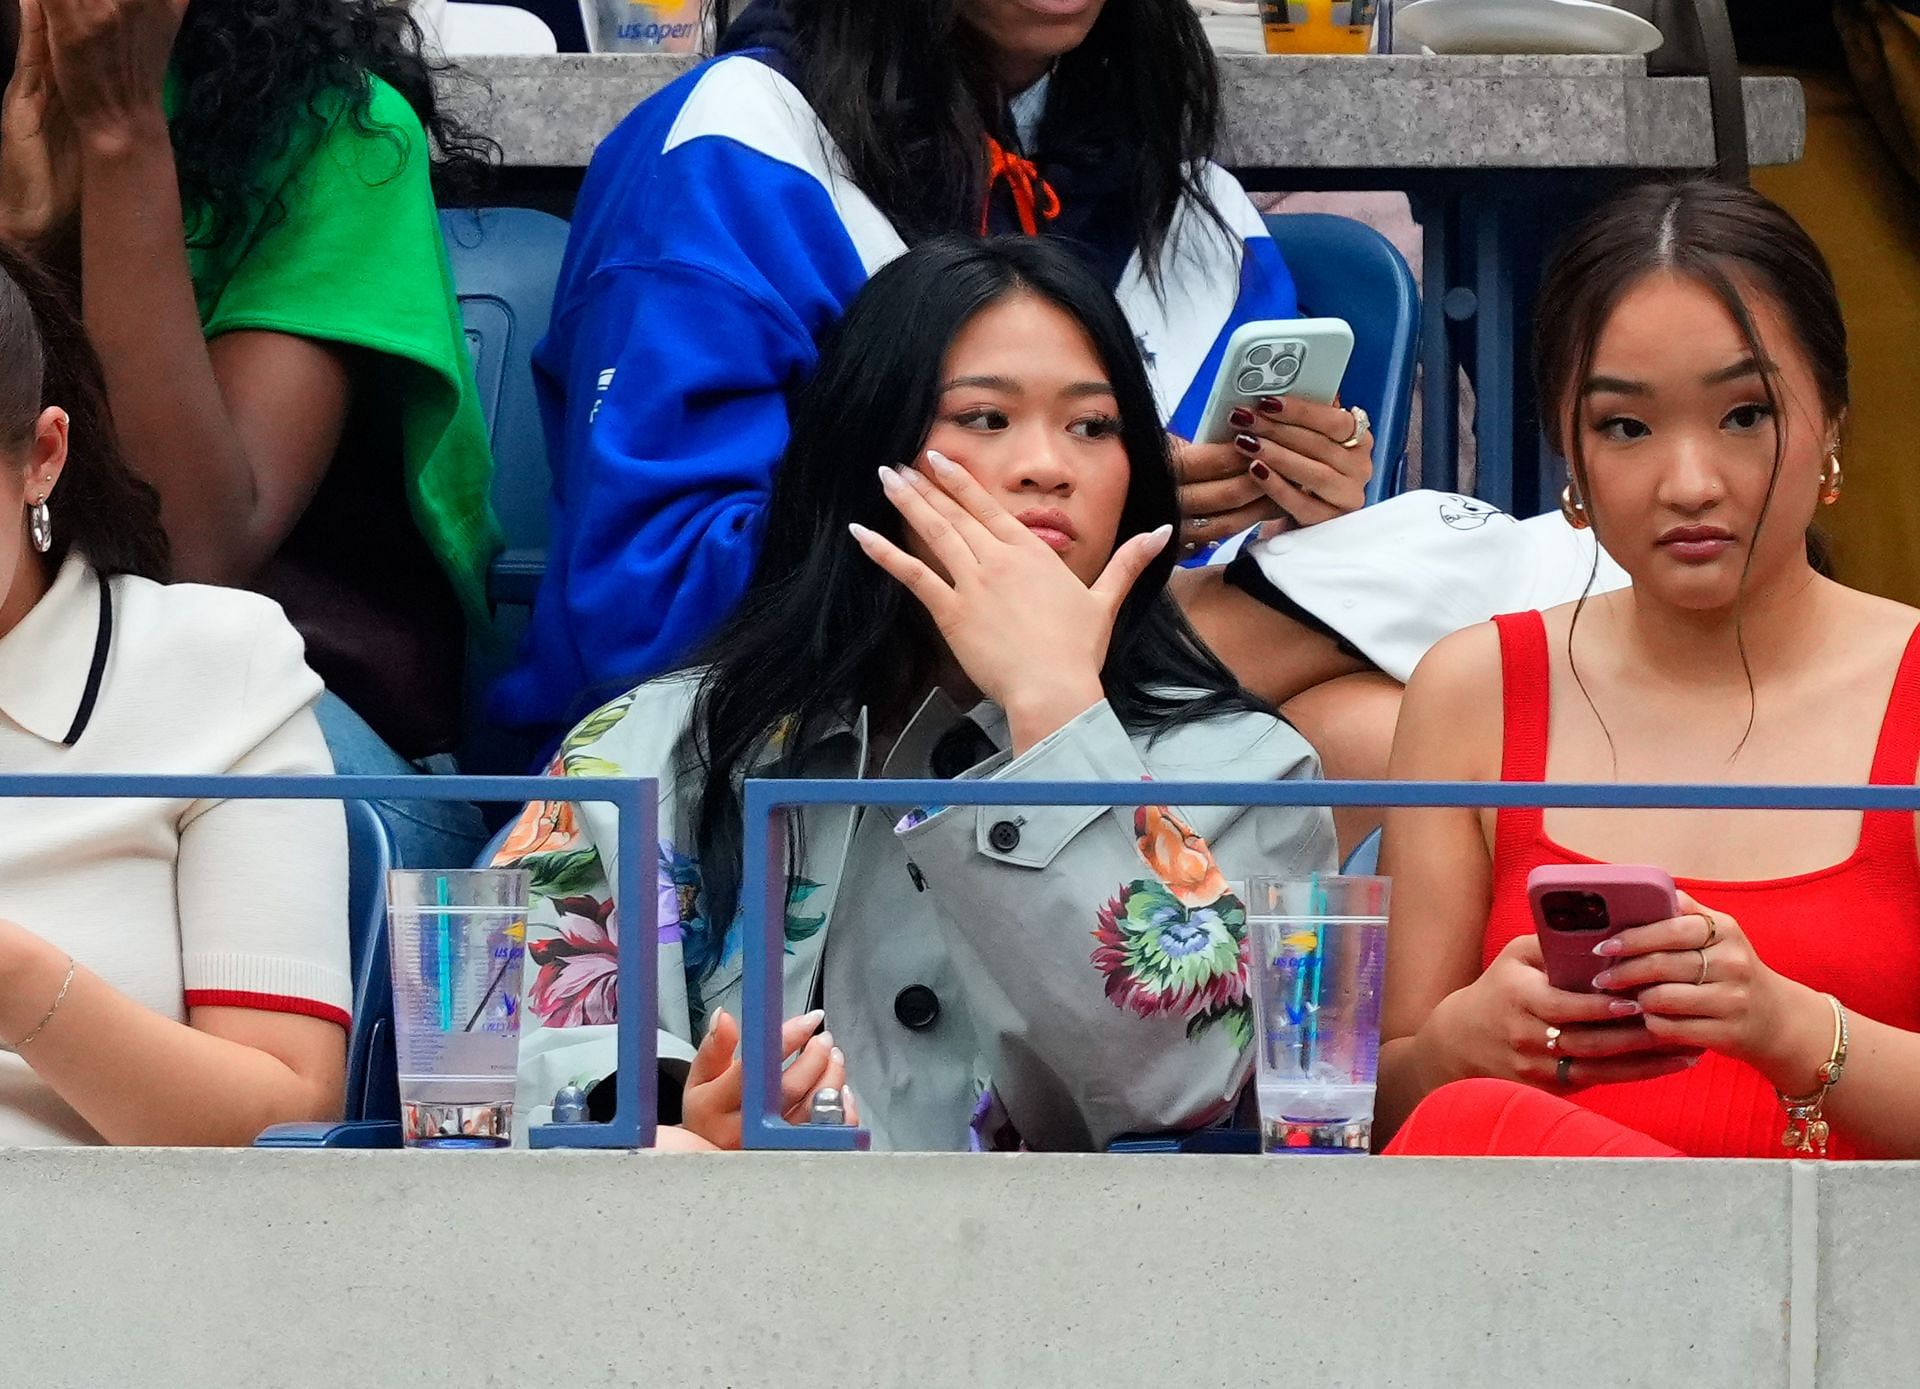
964	574
246	193
726	224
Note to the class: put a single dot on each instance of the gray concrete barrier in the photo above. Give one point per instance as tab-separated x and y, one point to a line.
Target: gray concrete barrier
197	1269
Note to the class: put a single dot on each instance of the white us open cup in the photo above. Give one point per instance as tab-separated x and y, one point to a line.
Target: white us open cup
458	944
1317	959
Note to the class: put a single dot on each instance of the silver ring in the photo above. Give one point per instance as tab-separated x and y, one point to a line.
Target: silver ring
1553	1039
1362	422
1563	1071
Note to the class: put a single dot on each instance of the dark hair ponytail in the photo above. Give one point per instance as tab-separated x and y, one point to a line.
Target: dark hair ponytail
100	507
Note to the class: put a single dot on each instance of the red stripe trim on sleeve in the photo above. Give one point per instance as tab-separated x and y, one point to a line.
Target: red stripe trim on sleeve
267	1003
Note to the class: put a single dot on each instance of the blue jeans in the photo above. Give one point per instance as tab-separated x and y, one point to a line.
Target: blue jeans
426	834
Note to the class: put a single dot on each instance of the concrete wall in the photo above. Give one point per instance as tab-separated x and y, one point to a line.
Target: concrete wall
355	1269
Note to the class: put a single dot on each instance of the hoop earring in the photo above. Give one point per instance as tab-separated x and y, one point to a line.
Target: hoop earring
40	526
1573	508
1831	479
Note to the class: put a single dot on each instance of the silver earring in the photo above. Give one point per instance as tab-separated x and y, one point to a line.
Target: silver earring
40	526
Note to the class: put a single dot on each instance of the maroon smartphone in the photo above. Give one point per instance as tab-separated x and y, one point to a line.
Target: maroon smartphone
1577	905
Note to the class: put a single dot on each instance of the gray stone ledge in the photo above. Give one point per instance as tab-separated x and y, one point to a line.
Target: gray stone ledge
202	1269
1308	113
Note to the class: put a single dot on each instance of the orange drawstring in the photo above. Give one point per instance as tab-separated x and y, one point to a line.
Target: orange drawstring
1022	180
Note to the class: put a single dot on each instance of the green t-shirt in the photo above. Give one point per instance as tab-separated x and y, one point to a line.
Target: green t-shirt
353	255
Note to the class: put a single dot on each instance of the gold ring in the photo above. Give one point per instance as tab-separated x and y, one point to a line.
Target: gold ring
1553	1039
1701	951
1713	933
1361	424
1563	1071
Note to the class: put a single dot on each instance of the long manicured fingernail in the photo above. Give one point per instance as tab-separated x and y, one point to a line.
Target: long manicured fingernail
1603	980
890	480
1246	443
1241	418
1609	946
859	532
815	1018
1159	534
839	1057
826	1037
1260	470
941	463
1623	1008
1272	405
713	1023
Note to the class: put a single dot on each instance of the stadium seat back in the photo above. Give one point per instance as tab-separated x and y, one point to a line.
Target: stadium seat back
373	1089
506	262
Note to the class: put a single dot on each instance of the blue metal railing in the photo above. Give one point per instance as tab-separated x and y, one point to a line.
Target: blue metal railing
763	891
635	800
763	894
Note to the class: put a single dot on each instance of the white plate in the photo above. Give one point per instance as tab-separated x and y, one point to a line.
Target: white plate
1523	26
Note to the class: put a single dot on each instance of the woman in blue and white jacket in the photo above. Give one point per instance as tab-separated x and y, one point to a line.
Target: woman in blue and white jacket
726	224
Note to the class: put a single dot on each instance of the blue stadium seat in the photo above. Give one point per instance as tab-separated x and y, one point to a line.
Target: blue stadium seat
506	261
372	1115
1345	269
1365	858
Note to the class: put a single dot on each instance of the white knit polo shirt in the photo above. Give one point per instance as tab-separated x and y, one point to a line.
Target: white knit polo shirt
177	904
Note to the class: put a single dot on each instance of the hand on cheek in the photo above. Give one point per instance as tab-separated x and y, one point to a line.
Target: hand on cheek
1005	597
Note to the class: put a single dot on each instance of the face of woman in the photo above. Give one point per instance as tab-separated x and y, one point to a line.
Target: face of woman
1027	35
1679	444
1025	406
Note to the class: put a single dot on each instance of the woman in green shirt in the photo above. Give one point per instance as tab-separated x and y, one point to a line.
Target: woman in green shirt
246	193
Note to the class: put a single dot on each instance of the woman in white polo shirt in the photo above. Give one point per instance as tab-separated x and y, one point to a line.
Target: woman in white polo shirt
171	972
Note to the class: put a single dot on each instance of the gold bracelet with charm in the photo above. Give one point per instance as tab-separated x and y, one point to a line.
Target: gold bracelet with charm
1807	1131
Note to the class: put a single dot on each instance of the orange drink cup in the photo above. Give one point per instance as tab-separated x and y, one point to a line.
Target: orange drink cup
1317	26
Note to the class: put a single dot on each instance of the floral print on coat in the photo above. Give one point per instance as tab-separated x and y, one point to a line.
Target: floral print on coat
1175	944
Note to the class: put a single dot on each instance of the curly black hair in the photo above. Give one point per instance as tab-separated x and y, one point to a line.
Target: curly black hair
253	77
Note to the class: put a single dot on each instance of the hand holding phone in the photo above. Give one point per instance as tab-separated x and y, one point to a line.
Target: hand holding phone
1296	358
1576	906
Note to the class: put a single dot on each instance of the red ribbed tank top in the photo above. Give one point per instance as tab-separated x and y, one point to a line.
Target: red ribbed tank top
1851	930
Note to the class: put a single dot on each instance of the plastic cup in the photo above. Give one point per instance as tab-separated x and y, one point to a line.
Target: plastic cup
457	945
1319	954
1317	26
627	26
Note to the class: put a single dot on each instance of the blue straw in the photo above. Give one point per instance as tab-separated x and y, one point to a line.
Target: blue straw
443	897
1317	908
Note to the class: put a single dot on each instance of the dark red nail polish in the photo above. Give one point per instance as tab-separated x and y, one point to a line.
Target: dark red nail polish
1272	405
1246	443
1241	418
1260	470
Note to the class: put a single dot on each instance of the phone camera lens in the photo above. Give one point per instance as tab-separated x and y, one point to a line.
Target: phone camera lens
1260	356
1251	382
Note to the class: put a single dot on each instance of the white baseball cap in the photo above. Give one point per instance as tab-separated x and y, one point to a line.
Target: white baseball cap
1394	578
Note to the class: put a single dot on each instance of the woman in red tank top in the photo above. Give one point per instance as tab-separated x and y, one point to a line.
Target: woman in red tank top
1696	368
